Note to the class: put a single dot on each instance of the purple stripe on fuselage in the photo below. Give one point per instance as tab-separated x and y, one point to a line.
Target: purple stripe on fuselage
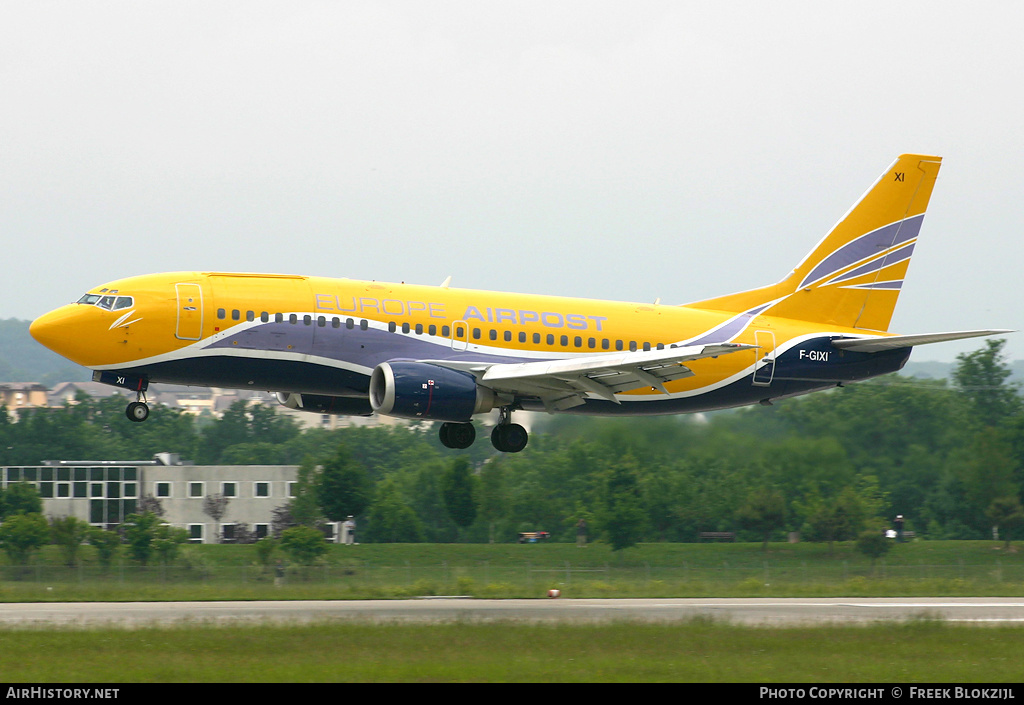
864	247
366	348
728	330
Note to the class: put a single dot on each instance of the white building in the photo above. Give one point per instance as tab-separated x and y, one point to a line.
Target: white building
104	493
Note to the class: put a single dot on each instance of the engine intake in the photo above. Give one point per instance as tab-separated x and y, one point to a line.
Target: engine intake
419	390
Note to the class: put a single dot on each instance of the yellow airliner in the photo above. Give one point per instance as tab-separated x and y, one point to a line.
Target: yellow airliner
425	352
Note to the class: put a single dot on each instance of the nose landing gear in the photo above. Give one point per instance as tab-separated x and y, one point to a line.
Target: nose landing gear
138	410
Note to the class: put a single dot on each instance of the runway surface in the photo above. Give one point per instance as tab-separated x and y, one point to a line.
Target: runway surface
752	611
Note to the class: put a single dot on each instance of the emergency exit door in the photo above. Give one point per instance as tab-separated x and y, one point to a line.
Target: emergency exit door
764	369
190	312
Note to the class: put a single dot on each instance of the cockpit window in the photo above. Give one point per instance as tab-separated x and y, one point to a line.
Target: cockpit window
110	303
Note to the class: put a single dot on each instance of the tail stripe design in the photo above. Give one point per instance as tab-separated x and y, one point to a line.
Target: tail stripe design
893	257
864	248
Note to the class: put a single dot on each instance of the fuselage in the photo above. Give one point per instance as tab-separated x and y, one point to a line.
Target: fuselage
325	336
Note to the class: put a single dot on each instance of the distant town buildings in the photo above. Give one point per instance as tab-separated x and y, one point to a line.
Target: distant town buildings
191	400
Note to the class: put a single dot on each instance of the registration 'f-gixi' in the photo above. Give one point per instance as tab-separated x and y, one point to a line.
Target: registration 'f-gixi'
435	352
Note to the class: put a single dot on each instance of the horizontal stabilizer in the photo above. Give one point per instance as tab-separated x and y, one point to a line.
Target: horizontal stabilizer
892	342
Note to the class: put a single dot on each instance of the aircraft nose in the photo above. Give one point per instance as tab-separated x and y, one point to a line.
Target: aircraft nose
53	329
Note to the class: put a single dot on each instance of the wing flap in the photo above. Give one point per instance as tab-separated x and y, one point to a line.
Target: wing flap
567	382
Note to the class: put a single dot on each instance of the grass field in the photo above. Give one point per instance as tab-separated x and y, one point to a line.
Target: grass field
920	651
915	652
211	572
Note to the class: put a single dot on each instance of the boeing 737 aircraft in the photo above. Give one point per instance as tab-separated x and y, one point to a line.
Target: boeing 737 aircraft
339	346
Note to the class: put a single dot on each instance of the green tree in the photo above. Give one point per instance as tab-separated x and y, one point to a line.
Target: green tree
21	534
873	544
982	377
167	541
623	516
107	544
763	512
303	544
20	498
391	519
457	488
69	533
140	531
493	502
1007	514
838	518
343	488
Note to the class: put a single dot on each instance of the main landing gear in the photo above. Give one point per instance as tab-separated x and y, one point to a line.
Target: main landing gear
138	410
507	437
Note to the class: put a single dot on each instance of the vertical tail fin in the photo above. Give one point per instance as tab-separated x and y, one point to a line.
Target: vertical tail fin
852	278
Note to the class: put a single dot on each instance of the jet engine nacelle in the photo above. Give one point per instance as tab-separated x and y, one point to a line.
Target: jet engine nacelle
323	404
419	390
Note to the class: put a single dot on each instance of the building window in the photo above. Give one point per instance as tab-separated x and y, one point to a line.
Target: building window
291	488
163	489
195	489
261	489
229	489
195	533
262	530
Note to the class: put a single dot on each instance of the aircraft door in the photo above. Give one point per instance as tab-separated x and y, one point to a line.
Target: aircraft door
764	368
460	336
190	311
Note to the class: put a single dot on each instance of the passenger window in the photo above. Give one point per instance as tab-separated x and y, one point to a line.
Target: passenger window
432	330
307	320
264	317
335	322
419	329
605	343
405	327
522	337
508	336
278	318
392	326
349	323
363	325
551	339
236	315
565	341
577	341
493	334
591	343
293	318
618	345
222	314
445	331
250	316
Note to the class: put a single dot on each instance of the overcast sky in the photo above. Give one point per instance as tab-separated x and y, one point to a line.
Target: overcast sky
621	150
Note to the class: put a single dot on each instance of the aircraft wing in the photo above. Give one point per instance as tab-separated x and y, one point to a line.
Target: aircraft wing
563	384
891	342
